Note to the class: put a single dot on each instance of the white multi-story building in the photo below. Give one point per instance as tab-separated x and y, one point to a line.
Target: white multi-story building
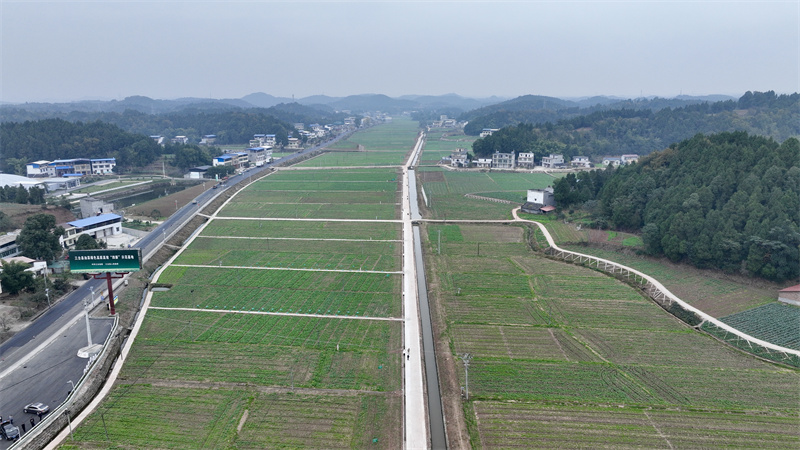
103	166
553	161
503	160
98	227
40	169
526	160
581	161
258	156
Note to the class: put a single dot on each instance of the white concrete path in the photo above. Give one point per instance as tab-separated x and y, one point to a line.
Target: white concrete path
416	423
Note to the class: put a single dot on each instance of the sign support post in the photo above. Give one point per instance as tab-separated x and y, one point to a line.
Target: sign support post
101	264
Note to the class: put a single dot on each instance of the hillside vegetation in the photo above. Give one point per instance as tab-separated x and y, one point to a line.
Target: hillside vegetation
628	128
727	201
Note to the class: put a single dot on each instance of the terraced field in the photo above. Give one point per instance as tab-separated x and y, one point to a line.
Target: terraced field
564	356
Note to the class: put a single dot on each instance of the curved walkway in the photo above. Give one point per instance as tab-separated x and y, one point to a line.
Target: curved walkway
653	287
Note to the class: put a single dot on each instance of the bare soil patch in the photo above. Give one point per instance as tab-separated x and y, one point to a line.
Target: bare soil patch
19	213
428	177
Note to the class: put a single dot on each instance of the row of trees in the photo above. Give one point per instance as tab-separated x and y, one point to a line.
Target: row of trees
19	194
727	201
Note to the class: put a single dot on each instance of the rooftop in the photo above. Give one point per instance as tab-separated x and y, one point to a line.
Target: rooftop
83	223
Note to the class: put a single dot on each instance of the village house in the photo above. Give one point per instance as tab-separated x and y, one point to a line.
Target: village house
790	295
553	161
539	201
581	161
258	156
503	160
612	161
629	159
483	163
526	160
488	132
103	166
459	158
208	139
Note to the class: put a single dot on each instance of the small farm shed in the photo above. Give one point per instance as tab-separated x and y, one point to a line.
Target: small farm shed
790	295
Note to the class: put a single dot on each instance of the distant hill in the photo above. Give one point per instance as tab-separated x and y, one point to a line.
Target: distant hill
537	109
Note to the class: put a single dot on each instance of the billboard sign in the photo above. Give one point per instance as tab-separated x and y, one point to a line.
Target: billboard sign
95	261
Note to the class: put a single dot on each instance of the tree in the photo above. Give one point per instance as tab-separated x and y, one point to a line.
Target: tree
87	242
219	170
14	277
39	237
5	222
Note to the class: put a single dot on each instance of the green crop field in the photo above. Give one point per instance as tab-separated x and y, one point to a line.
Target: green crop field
288	341
399	134
279	351
290	291
284	253
342	175
355	159
777	323
307	230
711	294
351	211
445	191
555	345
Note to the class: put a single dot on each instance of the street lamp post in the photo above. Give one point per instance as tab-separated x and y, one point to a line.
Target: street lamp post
73	385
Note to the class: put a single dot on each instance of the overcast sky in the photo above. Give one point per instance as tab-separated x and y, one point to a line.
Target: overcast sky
76	50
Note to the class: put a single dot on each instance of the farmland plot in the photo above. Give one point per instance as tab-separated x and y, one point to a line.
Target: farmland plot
316	421
547	363
284	253
298	292
304	230
268	351
545	426
778	323
138	416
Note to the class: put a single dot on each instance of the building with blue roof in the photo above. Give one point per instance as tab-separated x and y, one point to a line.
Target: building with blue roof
97	226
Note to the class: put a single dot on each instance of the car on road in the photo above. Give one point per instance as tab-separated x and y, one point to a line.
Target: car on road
8	431
36	408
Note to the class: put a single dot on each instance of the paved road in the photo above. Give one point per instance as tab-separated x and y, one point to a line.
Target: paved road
45	376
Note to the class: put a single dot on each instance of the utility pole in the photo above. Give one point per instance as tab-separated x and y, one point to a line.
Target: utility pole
466	358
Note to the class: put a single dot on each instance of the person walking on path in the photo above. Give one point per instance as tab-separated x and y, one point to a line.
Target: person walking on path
32	423
22	425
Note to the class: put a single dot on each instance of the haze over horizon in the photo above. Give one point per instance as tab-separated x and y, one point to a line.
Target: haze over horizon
79	50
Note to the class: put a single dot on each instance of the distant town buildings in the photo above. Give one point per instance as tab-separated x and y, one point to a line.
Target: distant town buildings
70	167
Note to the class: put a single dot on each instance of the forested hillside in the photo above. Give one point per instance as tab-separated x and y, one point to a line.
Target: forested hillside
21	143
231	127
640	131
729	201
